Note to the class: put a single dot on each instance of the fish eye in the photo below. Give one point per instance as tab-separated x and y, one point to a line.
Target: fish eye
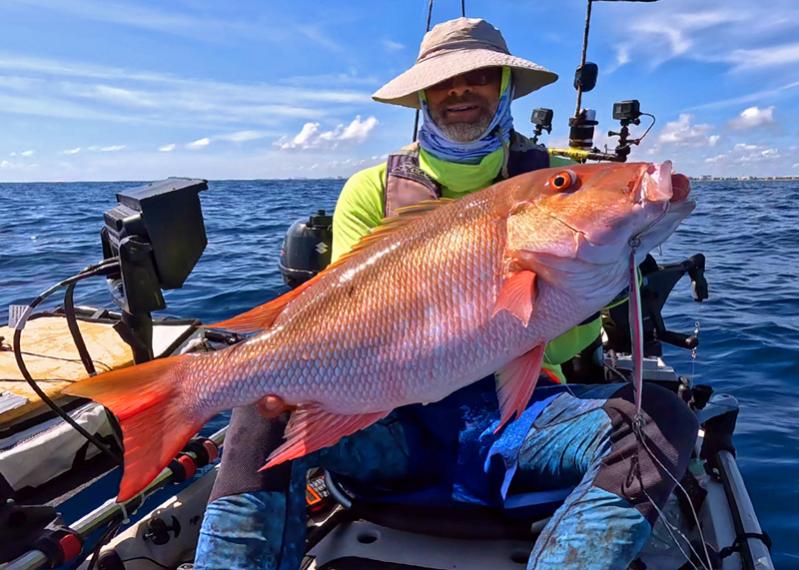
563	180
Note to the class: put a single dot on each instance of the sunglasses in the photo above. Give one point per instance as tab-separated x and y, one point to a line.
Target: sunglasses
476	78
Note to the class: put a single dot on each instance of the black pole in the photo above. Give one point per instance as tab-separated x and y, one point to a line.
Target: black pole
427	29
463	8
582	59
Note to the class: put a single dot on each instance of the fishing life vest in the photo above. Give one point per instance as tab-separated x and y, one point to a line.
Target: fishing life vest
407	184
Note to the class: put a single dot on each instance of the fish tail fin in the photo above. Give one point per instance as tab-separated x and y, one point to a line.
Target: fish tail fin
155	420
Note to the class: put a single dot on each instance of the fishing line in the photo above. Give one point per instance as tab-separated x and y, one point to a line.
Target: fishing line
642	440
637	348
635	473
671	529
427	29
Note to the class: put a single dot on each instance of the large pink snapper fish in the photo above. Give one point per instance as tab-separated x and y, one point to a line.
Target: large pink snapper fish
433	300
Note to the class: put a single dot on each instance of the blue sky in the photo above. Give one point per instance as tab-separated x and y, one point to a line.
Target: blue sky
117	89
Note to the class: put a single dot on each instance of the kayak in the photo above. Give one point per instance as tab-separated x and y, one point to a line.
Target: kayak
47	468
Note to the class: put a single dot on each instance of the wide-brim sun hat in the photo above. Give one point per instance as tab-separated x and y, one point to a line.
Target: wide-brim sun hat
459	46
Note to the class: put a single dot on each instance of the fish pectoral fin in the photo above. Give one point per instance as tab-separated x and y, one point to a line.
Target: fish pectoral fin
517	295
516	382
311	428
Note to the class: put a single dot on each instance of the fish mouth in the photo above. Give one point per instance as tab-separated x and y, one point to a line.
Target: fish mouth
664	197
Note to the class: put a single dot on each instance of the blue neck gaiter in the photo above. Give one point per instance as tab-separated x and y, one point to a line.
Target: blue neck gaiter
433	140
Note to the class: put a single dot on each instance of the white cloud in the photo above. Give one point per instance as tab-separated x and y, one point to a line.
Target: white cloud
109	148
75	150
199	143
358	130
796	165
78	90
302	139
758	58
716	158
5	164
705	31
683	133
391	45
622	57
746	153
199	23
242	136
310	135
27	153
752	118
235	137
315	33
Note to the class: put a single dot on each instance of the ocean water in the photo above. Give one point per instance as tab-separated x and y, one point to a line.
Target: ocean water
749	340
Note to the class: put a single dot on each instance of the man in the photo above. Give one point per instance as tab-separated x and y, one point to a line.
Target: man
581	439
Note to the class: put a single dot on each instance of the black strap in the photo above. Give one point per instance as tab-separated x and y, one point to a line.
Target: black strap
736	546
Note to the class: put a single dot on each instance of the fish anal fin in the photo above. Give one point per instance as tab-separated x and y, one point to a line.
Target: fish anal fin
517	295
516	382
311	428
156	423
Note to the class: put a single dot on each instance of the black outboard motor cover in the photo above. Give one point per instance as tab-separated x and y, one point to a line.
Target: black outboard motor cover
306	248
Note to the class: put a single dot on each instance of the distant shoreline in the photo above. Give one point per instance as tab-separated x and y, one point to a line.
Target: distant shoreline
703	178
708	178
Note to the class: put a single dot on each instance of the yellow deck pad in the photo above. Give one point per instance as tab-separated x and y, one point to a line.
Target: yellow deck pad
53	360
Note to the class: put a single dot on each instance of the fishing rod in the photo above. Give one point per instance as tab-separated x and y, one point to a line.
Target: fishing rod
583	123
63	544
427	29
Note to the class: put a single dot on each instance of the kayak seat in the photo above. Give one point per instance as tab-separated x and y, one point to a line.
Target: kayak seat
523	516
458	520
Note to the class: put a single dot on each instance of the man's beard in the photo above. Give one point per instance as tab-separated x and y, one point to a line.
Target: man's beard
463	131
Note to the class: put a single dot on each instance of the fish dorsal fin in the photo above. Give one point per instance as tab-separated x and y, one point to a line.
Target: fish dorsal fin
388	226
262	317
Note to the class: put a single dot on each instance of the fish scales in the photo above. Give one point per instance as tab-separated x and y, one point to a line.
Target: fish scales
350	331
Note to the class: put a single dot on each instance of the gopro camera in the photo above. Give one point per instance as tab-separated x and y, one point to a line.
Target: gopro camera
627	110
542	117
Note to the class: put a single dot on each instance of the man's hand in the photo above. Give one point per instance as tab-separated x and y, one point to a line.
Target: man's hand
271	407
